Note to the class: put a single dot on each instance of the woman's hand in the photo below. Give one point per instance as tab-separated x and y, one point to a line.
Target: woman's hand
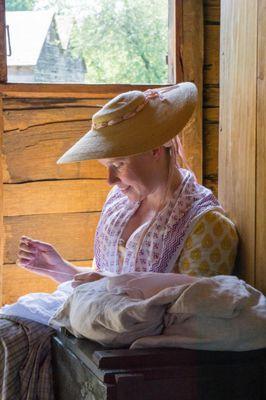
86	277
43	259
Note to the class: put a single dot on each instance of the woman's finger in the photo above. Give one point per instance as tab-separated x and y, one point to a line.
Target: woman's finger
26	255
23	262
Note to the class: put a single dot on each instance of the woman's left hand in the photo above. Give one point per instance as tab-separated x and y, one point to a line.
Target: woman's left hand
86	277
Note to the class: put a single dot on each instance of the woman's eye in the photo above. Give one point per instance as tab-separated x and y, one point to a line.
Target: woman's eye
118	165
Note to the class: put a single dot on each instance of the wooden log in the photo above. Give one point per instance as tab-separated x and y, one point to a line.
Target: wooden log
210	116
24	119
18	282
192	62
237	145
260	274
71	234
1	203
32	155
69	91
211	138
211	11
211	54
3	66
54	103
69	196
211	95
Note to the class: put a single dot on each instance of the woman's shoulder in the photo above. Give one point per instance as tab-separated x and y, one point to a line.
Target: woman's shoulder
211	246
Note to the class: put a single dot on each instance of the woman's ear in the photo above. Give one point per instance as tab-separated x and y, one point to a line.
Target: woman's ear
157	153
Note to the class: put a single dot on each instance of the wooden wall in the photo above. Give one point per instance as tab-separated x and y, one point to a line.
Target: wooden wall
211	93
60	204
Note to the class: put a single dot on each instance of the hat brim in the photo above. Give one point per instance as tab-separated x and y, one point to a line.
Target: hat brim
158	122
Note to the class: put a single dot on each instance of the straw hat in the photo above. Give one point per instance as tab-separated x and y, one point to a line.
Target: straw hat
135	122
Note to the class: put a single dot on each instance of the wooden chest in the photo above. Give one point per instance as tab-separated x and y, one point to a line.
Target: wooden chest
85	370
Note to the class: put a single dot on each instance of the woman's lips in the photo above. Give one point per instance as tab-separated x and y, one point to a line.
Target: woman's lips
124	189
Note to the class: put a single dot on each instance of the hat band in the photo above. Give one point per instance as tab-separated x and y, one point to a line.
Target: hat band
149	94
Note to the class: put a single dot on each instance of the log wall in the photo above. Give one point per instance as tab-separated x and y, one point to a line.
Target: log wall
211	93
60	204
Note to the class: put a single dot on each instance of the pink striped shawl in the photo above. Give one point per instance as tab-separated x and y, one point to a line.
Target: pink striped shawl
164	239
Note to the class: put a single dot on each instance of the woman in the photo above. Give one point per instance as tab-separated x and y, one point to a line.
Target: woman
157	217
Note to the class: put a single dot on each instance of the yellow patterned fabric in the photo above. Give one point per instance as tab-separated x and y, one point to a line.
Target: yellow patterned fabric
211	247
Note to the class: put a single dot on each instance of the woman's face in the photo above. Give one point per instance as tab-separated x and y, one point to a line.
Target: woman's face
135	176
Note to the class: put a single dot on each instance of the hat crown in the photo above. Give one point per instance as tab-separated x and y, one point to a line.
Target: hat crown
119	107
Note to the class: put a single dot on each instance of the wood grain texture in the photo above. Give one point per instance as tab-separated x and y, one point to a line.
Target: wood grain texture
1	205
71	234
3	67
192	57
18	282
260	278
69	91
211	11
211	53
65	196
237	145
32	154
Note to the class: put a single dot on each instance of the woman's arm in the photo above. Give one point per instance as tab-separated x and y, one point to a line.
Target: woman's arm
211	247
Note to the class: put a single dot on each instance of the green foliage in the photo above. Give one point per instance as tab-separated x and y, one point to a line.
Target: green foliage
20	5
121	41
125	42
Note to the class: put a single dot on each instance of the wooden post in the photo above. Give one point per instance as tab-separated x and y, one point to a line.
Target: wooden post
192	61
3	67
260	252
242	144
1	204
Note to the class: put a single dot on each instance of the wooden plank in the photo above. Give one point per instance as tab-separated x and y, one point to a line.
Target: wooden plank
175	66
237	144
260	277
51	103
68	196
210	115
71	234
3	67
211	54
211	95
211	139
23	119
211	11
54	90
18	282
32	155
192	63
1	204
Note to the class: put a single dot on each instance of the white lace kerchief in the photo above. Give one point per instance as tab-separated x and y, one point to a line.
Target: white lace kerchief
164	240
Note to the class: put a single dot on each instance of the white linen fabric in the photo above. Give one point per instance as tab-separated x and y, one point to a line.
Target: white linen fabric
218	313
39	307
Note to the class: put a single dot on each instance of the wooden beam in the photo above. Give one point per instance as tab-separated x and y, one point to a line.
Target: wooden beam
192	60
175	32
237	133
1	204
3	67
260	274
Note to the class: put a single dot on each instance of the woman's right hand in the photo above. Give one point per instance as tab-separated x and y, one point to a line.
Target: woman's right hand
43	259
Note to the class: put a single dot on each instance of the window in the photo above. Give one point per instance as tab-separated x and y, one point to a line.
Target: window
88	41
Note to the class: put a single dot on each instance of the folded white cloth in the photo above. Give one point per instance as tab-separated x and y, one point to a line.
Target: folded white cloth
39	307
145	310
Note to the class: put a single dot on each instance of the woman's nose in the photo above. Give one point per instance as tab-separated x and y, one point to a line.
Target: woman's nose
112	177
